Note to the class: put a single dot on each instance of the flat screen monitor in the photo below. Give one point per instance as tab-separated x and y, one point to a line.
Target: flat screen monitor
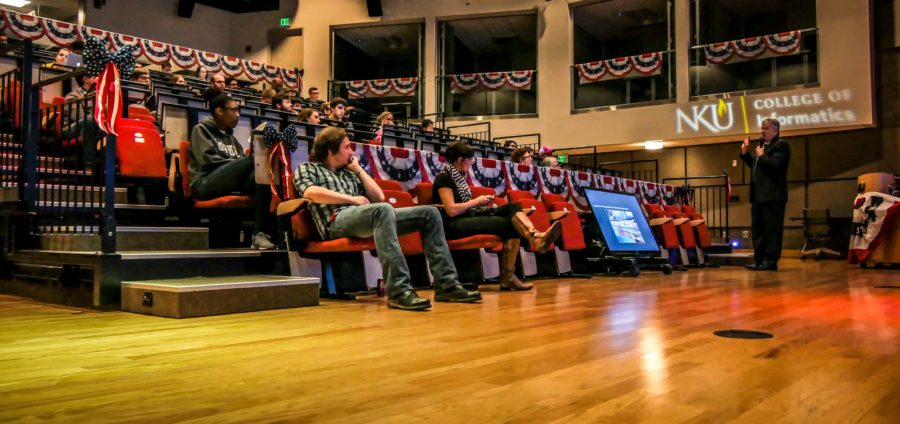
622	222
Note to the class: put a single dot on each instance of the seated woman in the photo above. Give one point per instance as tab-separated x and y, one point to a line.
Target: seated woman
310	116
466	216
385	118
177	80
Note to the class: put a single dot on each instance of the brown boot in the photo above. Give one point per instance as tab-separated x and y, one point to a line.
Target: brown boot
539	241
508	279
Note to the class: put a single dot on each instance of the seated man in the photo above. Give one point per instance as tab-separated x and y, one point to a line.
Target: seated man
217	82
314	94
233	83
346	204
219	167
427	125
336	117
142	75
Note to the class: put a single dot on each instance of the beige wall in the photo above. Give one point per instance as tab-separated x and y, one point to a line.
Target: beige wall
844	68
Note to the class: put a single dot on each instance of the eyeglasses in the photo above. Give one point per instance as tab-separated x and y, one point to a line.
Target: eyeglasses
233	109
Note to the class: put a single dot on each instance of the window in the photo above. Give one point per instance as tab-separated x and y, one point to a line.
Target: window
741	45
488	66
622	52
378	66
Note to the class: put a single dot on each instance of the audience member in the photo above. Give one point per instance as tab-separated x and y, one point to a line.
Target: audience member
466	216
309	115
427	125
523	156
282	102
385	118
203	73
550	162
219	166
177	80
60	59
79	121
142	75
167	67
267	95
278	85
233	83
338	108
348	203
313	94
326	108
218	82
511	144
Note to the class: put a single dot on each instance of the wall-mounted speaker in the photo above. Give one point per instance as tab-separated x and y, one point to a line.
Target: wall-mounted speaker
185	8
374	7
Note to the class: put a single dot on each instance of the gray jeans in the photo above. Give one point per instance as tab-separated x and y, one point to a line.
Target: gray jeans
382	222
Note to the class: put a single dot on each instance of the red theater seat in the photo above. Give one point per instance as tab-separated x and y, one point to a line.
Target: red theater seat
482	191
389	185
572	235
551	198
538	217
701	230
224	202
423	193
662	224
518	195
410	244
141	113
685	231
140	150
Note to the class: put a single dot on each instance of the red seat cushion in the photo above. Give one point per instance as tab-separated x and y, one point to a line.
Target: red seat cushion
224	202
482	191
572	235
339	245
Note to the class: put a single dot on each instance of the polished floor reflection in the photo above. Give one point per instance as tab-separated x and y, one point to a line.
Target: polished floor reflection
602	350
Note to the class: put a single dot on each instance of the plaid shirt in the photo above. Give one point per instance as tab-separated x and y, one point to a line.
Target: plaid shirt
342	181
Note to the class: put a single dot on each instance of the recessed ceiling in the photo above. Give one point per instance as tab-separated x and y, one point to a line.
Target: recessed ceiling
606	20
383	40
61	10
484	35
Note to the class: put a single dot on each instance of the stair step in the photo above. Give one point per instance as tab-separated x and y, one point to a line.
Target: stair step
719	248
50	171
74	239
62	192
206	296
42	160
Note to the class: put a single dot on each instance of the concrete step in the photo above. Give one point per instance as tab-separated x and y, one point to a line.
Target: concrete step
719	248
206	296
139	239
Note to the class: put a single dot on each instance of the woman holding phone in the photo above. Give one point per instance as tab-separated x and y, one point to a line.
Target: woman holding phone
466	216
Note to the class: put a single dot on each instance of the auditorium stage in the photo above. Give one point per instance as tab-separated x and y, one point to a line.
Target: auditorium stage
601	350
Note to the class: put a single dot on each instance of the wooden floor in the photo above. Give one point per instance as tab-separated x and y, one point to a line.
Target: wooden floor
614	350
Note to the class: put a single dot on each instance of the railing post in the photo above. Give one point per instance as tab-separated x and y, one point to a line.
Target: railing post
30	113
108	223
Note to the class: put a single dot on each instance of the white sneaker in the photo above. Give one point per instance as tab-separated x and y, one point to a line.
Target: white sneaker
262	241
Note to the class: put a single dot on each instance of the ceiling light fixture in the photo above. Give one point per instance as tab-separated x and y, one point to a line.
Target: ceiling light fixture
653	144
14	3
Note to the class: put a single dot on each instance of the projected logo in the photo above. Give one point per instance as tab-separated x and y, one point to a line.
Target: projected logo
624	226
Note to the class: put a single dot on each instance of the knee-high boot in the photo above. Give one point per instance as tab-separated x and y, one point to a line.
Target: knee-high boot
539	241
508	279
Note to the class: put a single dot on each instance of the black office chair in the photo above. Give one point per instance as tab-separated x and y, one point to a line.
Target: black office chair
816	229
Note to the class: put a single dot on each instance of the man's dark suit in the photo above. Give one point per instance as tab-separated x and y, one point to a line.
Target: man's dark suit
768	196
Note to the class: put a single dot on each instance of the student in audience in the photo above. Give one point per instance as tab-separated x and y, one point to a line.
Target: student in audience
309	115
326	108
278	85
550	162
427	125
283	103
203	73
177	80
465	215
523	156
59	60
79	121
142	75
296	104
511	144
313	94
338	108
267	95
233	83
167	67
218	82
348	203
385	118
219	166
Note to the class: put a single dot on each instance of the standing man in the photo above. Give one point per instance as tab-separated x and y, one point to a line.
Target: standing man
768	194
348	203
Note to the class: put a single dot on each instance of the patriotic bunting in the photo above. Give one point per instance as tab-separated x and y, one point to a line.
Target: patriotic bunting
751	48
523	177
488	173
511	80
871	211
553	180
63	34
640	65
385	87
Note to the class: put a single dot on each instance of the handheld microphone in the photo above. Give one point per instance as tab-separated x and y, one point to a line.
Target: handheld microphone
762	142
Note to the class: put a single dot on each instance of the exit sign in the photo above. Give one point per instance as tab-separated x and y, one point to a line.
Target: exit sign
284	22
562	159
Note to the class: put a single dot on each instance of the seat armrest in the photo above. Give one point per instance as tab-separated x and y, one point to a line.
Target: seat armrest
290	206
659	221
557	215
679	221
697	222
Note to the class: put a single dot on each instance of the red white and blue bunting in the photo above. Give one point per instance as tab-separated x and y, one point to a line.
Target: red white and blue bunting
751	48
640	65
385	87
488	173
63	34
510	80
410	167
